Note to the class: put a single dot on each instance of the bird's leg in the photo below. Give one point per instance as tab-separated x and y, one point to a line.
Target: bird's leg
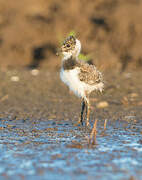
82	111
87	111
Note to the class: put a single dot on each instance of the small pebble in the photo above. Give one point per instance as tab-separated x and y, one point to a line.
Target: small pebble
35	72
133	95
102	104
15	78
128	75
130	117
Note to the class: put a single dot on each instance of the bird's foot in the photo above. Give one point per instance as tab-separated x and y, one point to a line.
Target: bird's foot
79	123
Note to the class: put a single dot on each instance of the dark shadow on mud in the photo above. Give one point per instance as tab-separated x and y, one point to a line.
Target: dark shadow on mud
40	53
125	60
101	22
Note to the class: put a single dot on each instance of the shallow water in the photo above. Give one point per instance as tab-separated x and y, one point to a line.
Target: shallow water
59	150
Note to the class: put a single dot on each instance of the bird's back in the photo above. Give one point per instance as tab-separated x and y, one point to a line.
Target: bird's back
89	73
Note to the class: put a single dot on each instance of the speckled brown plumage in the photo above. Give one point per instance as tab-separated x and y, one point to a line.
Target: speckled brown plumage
88	73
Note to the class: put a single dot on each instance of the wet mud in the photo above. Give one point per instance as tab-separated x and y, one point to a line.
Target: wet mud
39	138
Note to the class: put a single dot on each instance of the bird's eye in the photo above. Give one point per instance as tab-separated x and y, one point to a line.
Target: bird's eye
68	45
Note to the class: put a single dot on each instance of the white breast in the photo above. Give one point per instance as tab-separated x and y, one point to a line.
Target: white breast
70	78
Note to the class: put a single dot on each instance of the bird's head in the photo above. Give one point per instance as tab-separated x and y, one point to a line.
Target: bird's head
70	47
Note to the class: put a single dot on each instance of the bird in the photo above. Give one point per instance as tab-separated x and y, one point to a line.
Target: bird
81	77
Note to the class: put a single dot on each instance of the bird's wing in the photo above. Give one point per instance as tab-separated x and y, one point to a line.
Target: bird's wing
89	74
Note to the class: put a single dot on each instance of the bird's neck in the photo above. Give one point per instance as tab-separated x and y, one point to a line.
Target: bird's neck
66	56
78	48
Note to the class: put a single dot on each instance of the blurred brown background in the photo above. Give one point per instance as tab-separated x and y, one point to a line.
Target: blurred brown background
110	31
